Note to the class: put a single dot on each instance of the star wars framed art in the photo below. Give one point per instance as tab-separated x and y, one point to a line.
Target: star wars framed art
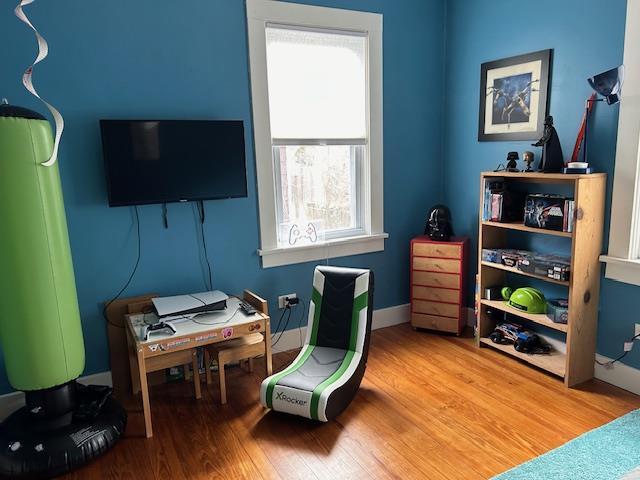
513	97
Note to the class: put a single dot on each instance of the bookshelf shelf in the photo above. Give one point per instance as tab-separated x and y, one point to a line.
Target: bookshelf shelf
499	266
555	362
539	318
577	365
524	228
538	177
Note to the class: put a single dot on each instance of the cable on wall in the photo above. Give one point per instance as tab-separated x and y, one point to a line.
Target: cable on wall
617	359
133	272
202	217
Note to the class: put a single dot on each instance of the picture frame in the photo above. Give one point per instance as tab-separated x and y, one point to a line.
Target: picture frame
514	95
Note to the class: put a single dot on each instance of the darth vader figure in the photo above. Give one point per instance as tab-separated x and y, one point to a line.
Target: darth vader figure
439	224
552	160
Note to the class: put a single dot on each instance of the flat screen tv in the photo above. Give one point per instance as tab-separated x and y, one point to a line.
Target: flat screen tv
162	161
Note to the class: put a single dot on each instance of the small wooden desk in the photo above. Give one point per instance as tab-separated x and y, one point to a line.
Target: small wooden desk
162	350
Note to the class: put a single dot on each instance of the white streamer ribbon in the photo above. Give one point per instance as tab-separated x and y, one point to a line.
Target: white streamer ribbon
43	51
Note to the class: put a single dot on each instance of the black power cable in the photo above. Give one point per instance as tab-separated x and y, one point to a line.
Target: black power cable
611	362
277	329
165	216
133	272
201	214
304	310
286	324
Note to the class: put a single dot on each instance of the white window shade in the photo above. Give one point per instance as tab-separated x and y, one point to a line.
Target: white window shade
317	83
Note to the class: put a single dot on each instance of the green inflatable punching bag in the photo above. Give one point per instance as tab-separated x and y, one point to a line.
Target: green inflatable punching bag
64	424
40	329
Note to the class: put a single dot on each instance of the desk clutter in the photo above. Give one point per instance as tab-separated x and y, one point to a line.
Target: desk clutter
156	355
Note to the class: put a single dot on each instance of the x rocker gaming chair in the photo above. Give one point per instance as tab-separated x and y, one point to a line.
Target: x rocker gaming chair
326	374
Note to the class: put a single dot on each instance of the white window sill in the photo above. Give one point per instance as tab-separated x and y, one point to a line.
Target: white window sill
622	269
341	247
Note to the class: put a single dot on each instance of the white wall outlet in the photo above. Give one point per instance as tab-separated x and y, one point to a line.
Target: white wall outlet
637	330
628	346
282	300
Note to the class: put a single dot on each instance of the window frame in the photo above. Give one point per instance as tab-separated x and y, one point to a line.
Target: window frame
260	15
623	256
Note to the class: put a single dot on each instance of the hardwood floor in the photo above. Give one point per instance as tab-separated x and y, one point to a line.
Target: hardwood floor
430	407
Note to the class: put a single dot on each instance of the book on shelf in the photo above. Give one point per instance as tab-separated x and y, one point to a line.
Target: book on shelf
500	203
569	215
492	186
582	171
496	207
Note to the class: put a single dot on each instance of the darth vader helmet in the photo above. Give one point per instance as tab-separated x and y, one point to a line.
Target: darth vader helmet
439	224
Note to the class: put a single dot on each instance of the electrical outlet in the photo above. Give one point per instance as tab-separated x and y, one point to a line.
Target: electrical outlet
637	329
282	300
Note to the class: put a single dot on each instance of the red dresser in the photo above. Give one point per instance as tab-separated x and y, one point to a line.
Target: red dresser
438	284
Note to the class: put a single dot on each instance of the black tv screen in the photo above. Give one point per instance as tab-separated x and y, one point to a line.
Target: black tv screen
162	161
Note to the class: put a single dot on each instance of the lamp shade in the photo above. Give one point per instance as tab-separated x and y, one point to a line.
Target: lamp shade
609	84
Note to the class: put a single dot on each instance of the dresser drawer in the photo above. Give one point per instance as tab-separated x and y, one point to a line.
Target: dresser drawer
444	324
432	279
435	308
436	264
436	294
437	250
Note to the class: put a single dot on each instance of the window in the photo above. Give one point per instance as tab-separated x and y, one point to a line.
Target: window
623	257
316	79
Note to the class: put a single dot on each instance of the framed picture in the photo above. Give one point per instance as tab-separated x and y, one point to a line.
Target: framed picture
513	97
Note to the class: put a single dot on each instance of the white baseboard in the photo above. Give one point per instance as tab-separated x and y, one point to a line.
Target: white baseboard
14	400
619	374
388	317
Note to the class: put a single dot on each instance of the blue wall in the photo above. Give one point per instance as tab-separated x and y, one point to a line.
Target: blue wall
587	38
167	59
171	59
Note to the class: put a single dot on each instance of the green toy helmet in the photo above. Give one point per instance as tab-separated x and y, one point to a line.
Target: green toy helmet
528	299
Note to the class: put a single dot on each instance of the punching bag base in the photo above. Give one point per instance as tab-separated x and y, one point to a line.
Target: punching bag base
36	447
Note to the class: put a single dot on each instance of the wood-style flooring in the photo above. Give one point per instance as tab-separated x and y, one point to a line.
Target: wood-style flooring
430	407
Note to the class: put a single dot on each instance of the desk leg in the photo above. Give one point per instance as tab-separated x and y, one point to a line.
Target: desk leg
133	365
196	373
207	365
144	388
267	346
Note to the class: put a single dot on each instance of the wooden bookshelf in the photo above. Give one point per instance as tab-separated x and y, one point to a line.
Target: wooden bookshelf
584	244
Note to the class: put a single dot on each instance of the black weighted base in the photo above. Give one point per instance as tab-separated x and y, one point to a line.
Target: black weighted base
35	447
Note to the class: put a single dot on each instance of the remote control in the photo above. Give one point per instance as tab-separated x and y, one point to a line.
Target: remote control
156	327
247	308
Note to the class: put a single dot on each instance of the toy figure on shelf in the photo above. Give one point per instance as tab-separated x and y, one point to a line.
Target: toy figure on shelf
552	160
439	224
512	162
528	159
